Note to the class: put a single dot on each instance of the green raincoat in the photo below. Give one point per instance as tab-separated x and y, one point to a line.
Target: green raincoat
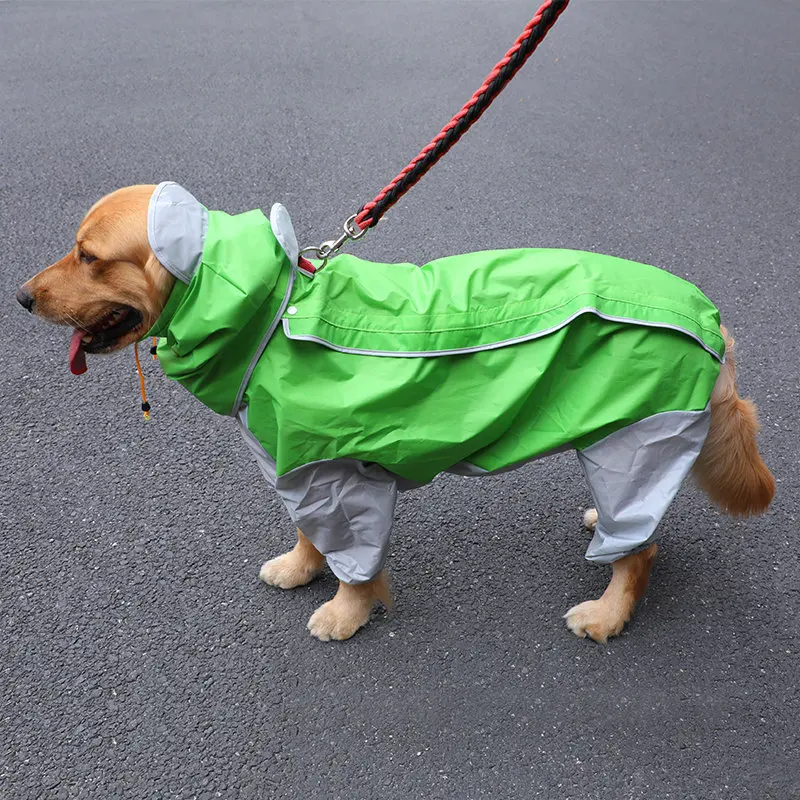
366	378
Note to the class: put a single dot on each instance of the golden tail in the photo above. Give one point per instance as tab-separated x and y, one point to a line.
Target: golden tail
729	468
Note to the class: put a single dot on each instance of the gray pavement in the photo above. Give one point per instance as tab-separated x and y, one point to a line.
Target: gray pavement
140	655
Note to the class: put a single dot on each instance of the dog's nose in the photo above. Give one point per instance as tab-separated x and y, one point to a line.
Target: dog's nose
25	298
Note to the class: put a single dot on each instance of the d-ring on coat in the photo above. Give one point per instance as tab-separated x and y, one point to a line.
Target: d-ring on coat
366	378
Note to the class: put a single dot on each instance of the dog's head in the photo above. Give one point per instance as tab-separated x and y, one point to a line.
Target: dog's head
110	287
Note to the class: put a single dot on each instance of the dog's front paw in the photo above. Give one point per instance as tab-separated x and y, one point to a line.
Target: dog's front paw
288	571
590	519
597	619
338	620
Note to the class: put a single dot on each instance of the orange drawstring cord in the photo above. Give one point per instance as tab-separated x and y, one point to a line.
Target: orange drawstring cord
145	404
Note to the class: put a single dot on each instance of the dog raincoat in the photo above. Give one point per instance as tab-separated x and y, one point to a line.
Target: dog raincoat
365	379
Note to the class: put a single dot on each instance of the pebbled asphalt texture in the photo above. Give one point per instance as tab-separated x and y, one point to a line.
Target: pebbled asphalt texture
141	656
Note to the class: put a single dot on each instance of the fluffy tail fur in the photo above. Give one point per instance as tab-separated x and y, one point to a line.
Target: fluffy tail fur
729	468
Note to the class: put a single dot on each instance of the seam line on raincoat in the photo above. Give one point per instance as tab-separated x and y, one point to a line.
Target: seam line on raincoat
265	341
496	345
360	315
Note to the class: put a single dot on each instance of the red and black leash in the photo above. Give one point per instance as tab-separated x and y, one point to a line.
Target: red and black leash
495	82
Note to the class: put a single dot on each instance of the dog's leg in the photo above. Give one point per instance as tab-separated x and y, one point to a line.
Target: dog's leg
351	607
606	617
295	568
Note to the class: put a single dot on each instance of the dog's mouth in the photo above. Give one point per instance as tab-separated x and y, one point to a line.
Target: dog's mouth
101	336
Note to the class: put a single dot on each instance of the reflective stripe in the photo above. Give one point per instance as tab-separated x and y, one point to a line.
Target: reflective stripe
266	463
283	230
264	342
495	345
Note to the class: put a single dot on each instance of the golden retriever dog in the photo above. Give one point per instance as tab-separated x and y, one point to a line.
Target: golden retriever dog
111	288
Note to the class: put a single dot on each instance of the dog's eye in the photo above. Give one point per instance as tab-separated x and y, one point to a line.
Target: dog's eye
85	257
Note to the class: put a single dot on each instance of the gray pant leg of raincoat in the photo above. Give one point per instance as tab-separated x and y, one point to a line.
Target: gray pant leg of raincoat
634	474
344	507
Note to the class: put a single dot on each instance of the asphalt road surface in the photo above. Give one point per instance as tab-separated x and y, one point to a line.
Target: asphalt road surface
141	656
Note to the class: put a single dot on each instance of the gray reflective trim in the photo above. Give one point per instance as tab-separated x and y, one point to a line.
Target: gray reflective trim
264	342
634	473
283	230
266	463
343	506
494	345
176	229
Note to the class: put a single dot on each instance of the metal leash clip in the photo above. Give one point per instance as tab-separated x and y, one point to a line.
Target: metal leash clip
328	249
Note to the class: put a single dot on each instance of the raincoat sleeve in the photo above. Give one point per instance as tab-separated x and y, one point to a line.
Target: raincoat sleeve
634	474
343	506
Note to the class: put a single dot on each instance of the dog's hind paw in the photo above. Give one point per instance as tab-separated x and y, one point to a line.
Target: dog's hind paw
590	519
597	619
288	571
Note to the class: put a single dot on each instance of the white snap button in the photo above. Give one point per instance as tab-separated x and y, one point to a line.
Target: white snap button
292	310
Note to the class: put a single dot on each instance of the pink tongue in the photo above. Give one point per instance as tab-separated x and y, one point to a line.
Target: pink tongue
77	358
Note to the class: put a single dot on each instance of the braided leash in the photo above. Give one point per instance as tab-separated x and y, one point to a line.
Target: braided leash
369	214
